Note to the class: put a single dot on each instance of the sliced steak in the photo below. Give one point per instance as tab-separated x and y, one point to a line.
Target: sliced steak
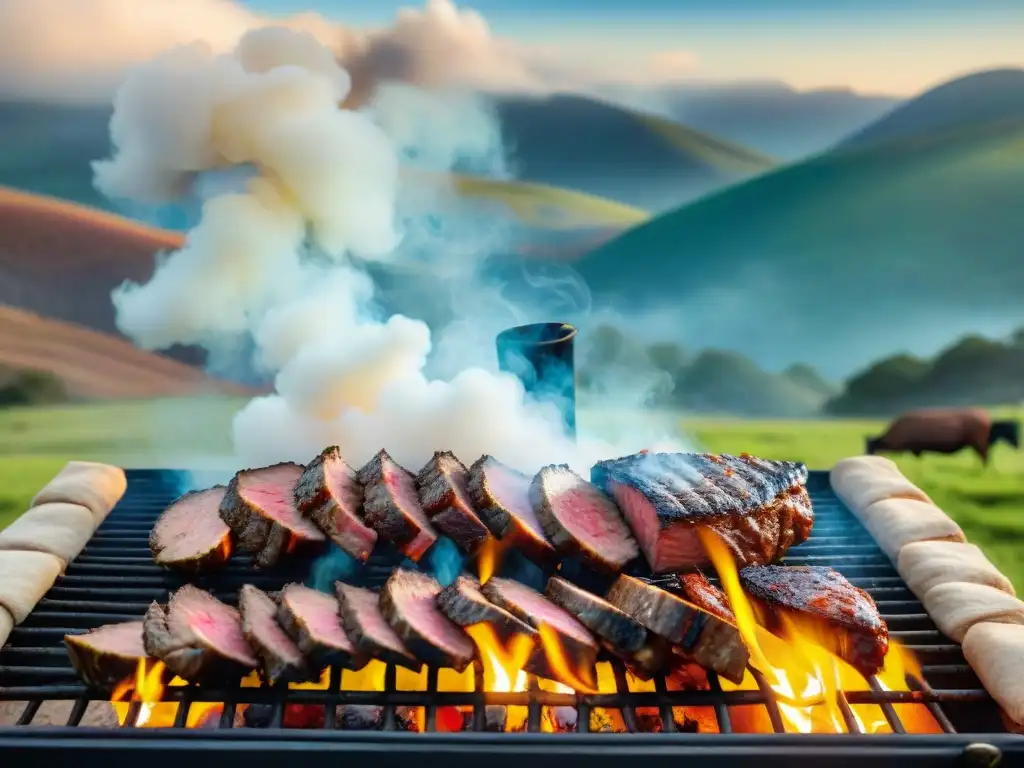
577	643
502	496
581	520
329	493
198	637
705	637
463	602
408	601
313	620
372	636
444	494
757	506
621	632
260	509
840	616
391	506
189	536
281	657
108	655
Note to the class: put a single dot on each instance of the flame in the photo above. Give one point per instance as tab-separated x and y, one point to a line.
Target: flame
503	667
559	660
805	676
147	688
489	558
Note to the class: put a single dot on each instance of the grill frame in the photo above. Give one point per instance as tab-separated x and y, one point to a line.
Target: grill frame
117	570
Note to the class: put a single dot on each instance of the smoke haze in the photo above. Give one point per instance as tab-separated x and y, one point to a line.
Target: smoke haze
302	202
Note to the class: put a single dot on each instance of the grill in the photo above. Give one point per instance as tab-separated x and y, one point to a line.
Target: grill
114	579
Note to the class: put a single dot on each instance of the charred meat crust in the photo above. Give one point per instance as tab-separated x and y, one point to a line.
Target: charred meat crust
208	558
621	633
282	661
504	522
408	601
464	603
354	600
856	631
319	651
314	499
603	510
444	494
255	531
101	668
187	657
408	529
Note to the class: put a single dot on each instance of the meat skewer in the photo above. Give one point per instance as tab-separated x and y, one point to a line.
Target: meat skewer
260	509
444	494
198	637
281	657
581	520
313	620
190	536
502	496
329	493
391	506
759	508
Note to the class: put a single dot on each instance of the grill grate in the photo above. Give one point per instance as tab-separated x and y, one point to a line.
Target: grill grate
114	579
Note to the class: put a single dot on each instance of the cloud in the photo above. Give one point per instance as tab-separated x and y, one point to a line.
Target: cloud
81	49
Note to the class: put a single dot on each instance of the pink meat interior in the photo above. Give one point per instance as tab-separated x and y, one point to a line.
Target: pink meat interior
542	611
590	517
320	613
260	613
272	490
674	548
123	639
343	485
216	625
403	487
420	609
365	608
512	491
192	526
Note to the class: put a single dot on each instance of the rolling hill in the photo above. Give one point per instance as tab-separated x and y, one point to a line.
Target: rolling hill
610	151
842	258
95	365
983	97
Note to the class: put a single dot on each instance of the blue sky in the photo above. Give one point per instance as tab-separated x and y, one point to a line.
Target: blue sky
894	46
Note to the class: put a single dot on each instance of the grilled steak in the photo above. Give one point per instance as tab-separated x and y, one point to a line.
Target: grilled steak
703	636
391	506
463	602
409	603
620	632
329	493
372	636
281	657
259	507
840	616
757	506
580	520
189	536
313	620
107	655
198	637
578	645
502	495
445	498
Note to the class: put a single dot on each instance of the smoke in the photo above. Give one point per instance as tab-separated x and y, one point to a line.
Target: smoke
302	206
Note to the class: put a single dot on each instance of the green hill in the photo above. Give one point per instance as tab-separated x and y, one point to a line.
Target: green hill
842	258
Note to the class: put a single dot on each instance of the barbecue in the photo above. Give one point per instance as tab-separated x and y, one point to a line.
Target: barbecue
689	709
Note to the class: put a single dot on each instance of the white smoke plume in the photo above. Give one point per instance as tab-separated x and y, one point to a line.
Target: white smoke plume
295	188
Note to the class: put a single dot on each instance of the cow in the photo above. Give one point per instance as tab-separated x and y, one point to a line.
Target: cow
945	431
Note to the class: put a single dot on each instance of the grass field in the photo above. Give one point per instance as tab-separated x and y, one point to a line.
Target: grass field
34	444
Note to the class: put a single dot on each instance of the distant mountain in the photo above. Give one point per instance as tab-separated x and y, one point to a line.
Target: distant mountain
840	259
982	97
610	151
773	117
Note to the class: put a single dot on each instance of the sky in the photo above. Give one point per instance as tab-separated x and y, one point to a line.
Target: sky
895	47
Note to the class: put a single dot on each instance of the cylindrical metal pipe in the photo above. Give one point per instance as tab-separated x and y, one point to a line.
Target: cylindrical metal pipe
541	355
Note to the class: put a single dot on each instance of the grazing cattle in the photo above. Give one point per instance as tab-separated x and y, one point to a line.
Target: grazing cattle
945	431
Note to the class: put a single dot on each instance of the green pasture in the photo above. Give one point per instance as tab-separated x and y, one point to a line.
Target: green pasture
35	442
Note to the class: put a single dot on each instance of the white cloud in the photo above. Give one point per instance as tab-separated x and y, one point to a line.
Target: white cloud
81	49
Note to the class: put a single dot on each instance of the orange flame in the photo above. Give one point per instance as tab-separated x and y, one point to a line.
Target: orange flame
489	558
806	677
503	667
147	688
